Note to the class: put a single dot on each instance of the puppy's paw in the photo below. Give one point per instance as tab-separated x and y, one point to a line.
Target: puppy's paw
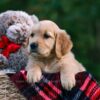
34	76
68	82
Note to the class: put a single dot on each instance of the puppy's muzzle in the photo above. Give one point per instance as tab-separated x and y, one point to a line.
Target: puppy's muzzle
33	47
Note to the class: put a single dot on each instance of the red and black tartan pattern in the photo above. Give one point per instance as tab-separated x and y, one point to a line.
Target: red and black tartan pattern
49	88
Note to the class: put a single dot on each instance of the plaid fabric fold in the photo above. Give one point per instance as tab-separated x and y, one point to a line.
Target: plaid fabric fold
49	88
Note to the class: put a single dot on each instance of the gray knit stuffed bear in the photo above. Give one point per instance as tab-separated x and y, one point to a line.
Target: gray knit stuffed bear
17	26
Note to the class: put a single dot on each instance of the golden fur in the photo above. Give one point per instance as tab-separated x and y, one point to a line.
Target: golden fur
53	54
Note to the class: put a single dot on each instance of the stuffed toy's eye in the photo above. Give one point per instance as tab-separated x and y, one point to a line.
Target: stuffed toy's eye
9	24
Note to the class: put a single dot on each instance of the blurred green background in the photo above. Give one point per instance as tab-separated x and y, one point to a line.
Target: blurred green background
80	18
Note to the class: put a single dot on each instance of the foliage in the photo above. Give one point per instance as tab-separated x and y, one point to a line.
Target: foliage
80	18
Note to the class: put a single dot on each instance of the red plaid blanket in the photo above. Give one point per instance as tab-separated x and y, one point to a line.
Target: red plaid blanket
49	88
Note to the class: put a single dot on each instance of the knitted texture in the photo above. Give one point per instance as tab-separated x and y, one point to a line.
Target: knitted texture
11	54
15	27
17	60
49	88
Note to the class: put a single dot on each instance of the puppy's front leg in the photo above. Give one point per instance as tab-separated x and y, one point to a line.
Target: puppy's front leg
34	74
67	78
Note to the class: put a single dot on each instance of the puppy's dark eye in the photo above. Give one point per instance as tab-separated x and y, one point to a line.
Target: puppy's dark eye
46	36
32	35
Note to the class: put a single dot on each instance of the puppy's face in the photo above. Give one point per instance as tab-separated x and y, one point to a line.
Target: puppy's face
41	42
47	40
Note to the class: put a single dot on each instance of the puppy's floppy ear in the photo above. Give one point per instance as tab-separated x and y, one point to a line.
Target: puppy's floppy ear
63	43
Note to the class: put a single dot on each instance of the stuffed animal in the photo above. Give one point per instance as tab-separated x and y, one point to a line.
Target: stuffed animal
15	27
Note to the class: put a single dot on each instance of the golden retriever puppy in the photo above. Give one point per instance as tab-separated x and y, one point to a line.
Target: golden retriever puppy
49	49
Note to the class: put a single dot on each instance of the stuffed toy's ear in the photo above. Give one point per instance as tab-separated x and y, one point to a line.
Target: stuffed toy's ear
35	22
35	19
63	43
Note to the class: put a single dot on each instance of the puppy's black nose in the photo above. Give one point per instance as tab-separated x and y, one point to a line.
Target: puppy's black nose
33	46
